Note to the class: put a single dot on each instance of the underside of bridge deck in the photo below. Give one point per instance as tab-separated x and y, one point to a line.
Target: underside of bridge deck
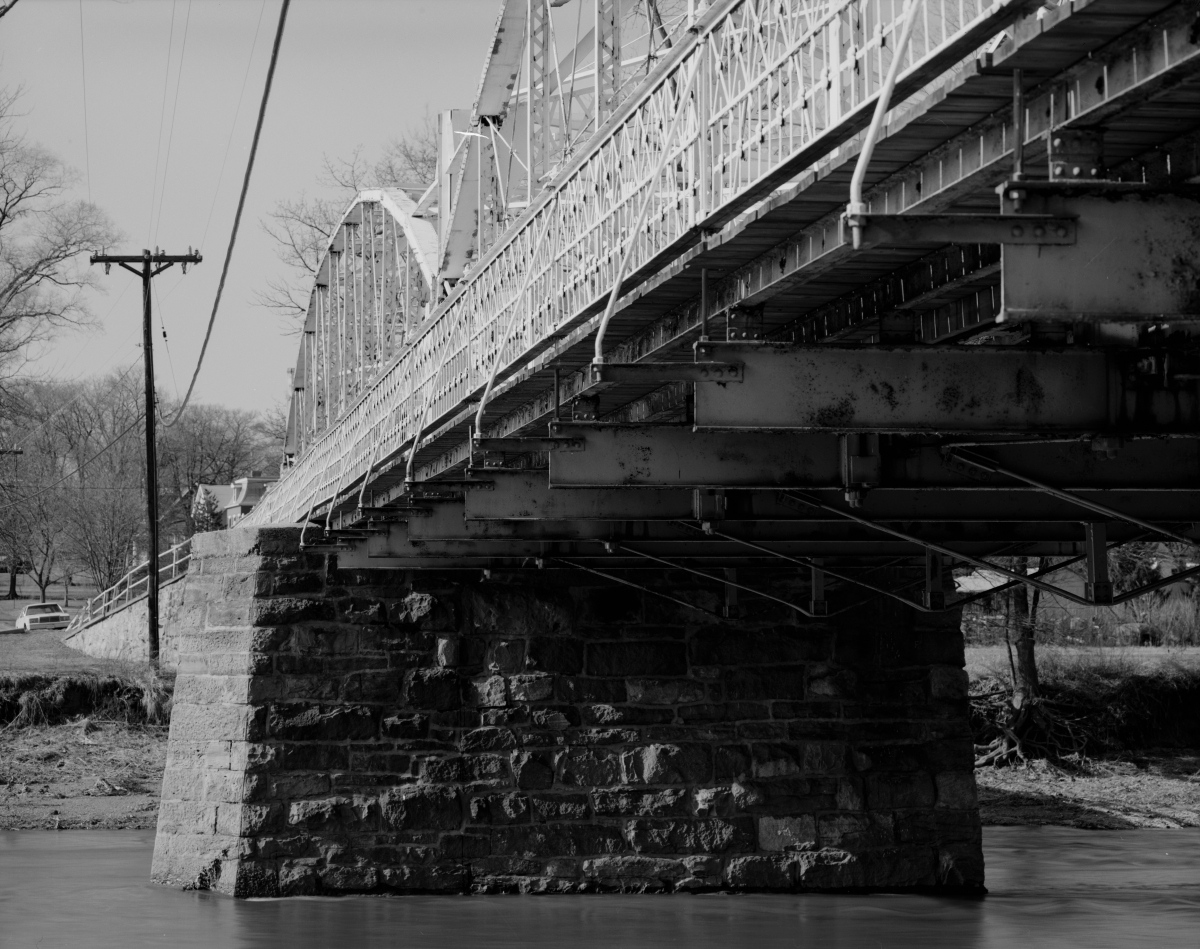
628	560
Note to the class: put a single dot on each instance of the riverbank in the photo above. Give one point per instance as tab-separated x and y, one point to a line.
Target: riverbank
83	741
82	776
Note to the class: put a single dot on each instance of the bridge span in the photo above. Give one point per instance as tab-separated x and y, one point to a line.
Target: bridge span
629	463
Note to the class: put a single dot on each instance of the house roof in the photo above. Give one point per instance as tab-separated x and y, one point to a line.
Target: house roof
224	493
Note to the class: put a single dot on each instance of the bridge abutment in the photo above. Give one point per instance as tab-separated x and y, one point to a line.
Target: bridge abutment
547	731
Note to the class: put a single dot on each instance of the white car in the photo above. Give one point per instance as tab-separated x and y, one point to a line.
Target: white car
43	616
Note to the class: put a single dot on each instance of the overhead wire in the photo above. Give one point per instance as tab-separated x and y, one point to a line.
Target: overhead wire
161	119
237	218
174	109
87	148
66	405
236	115
55	484
166	344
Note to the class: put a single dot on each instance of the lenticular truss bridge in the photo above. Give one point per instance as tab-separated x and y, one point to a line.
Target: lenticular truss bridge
834	283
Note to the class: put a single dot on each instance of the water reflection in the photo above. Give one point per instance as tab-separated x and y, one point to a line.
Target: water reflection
1049	887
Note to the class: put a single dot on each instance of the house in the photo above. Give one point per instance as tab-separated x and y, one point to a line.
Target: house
231	502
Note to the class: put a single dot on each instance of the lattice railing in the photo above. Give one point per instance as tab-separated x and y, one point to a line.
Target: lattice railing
774	80
172	565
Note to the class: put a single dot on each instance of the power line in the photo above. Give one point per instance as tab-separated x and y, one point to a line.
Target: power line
87	148
236	113
237	218
161	118
55	484
174	108
166	345
62	408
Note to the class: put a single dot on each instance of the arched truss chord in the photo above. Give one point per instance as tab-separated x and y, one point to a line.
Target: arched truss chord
373	289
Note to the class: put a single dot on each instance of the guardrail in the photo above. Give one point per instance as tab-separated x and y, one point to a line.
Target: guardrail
768	89
172	565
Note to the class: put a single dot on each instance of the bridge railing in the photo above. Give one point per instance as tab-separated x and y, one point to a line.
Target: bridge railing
172	565
778	86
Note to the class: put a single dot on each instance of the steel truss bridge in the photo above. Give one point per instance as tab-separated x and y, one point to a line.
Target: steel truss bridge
640	321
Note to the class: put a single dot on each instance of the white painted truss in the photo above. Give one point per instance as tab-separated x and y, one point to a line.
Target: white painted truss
768	89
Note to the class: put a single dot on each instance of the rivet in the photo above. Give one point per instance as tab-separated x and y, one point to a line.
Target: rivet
1075	171
1058	169
1017	230
1060	231
1039	231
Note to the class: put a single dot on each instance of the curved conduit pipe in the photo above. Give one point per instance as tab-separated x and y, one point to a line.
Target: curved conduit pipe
598	352
857	207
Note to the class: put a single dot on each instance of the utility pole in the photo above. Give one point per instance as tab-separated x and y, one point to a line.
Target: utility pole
150	266
12	554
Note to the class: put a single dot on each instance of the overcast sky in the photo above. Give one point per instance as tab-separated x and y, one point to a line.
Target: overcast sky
351	72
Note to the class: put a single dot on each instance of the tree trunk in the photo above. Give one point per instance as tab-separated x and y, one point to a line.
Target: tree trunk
12	579
1024	618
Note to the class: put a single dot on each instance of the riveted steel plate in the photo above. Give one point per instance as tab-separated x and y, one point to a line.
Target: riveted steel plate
912	389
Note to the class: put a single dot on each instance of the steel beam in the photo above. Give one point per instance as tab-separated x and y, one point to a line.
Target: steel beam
1135	258
675	456
948	389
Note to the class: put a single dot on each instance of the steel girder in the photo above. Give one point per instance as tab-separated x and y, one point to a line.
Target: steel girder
676	456
955	389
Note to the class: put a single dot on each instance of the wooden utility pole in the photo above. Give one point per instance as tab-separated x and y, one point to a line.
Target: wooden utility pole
151	265
12	554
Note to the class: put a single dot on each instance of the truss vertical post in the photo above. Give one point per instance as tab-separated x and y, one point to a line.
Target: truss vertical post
935	580
1018	124
1099	587
731	593
704	144
538	69
608	58
817	605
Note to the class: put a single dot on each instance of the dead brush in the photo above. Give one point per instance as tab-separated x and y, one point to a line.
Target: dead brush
1091	703
140	697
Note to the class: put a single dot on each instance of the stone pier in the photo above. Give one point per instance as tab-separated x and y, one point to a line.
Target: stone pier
340	731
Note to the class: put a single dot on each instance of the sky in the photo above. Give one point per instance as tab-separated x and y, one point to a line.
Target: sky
162	117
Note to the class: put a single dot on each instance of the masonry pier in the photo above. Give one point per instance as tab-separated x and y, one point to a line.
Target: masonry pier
341	731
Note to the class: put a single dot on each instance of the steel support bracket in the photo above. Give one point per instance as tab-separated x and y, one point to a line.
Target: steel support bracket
663	372
902	230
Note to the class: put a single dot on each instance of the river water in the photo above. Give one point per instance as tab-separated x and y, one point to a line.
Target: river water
1048	887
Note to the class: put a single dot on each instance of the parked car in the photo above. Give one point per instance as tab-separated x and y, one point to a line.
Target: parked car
43	616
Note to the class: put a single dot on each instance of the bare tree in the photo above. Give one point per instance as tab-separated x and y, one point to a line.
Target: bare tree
43	233
210	445
301	226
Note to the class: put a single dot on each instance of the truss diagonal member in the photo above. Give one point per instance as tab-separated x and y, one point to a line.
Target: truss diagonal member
979	461
1156	584
929	545
806	562
708	576
630	583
